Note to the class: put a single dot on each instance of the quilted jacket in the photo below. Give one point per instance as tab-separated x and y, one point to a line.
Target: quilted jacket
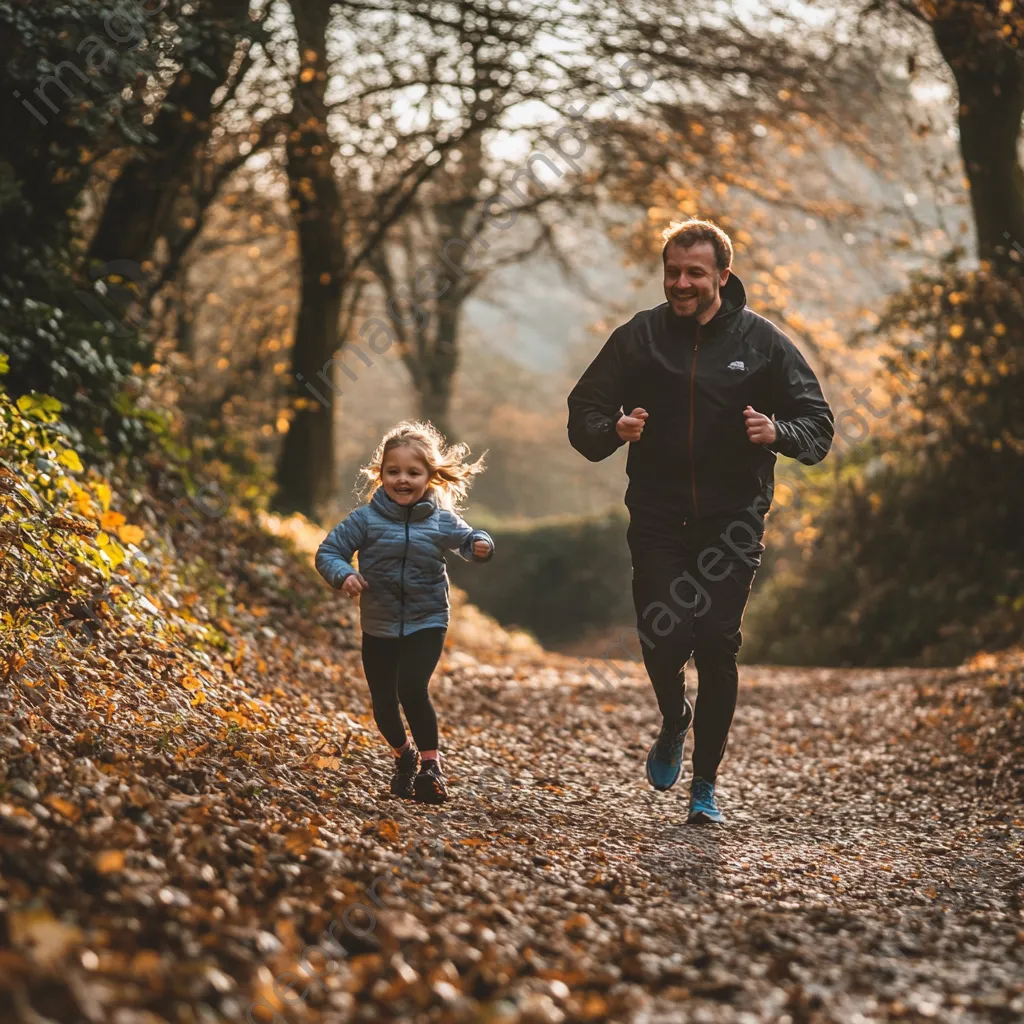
401	557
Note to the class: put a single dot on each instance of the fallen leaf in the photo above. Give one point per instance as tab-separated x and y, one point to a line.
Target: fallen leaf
109	861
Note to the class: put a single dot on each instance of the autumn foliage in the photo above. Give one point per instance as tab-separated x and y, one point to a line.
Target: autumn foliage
920	558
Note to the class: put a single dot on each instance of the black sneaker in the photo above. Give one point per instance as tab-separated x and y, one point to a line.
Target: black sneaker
430	786
405	773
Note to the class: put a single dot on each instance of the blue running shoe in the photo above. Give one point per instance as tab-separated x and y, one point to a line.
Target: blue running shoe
703	808
665	759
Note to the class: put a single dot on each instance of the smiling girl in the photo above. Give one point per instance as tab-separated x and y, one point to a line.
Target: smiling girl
414	484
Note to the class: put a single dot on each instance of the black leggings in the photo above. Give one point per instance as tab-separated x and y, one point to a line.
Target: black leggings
691	581
398	669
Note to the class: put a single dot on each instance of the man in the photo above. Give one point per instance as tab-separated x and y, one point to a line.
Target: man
706	393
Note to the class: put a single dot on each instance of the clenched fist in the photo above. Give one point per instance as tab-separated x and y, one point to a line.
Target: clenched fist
630	427
760	428
481	548
354	585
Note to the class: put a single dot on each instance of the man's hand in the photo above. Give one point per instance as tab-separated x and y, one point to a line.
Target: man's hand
630	427
481	548
354	585
760	428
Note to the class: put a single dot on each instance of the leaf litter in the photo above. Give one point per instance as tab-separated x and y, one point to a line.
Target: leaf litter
200	831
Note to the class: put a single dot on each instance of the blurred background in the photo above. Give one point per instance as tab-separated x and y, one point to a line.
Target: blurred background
247	238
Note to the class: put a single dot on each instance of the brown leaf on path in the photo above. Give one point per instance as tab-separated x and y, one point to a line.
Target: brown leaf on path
300	840
34	930
319	761
108	862
388	829
64	807
146	962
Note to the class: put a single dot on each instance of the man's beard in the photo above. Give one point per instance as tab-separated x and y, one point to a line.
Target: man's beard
703	304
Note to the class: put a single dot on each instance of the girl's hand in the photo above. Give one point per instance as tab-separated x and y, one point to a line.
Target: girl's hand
354	585
481	548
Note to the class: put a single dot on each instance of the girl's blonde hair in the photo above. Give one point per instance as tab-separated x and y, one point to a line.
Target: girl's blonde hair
449	467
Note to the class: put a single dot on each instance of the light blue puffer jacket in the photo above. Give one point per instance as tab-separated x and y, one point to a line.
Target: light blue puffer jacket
401	557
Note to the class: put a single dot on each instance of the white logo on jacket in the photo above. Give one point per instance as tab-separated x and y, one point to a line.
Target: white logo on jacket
736	364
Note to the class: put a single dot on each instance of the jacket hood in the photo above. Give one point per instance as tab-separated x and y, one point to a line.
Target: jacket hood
734	296
401	513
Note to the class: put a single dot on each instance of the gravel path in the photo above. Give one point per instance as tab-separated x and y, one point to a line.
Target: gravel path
870	869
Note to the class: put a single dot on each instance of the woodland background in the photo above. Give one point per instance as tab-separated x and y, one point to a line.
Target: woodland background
202	205
206	207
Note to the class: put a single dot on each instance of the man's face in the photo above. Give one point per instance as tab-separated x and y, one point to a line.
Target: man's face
692	280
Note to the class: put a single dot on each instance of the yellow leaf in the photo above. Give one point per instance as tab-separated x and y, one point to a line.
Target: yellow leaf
112	520
84	503
190	682
112	551
69	457
103	493
198	698
129	534
109	861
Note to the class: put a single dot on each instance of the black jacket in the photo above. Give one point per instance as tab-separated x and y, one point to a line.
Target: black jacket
695	381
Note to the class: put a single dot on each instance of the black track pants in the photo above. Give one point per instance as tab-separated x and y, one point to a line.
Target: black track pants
398	670
691	581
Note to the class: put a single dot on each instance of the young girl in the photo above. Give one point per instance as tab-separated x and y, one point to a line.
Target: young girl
415	482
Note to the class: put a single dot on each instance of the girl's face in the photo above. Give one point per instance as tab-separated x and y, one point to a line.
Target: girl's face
404	475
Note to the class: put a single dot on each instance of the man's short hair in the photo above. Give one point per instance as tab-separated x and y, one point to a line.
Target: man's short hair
690	232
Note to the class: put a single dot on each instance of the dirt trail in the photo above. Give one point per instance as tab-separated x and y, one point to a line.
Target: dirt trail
871	867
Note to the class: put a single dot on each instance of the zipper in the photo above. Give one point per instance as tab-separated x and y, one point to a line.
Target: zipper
401	582
693	378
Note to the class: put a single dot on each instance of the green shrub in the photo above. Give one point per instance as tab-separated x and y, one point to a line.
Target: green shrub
559	578
64	333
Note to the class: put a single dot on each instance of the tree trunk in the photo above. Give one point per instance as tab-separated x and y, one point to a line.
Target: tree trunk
305	472
140	207
990	80
437	378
